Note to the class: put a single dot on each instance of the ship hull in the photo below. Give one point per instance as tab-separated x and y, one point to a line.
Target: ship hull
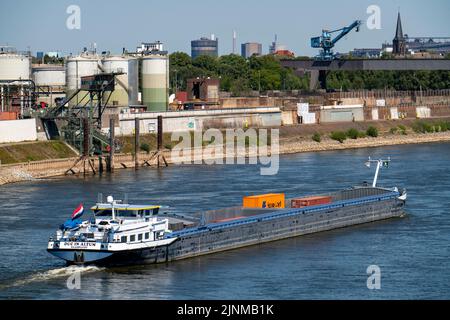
285	224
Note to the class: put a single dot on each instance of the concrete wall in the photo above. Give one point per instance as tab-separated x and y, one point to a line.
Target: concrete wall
342	113
18	130
198	120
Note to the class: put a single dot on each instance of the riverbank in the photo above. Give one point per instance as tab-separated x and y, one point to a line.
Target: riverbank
51	168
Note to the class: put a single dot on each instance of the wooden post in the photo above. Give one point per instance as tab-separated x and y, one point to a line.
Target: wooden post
160	132
160	137
110	167
136	143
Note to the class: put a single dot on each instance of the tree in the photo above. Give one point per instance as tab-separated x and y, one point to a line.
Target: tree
207	63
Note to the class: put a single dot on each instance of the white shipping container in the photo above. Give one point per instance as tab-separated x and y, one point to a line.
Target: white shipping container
394	113
302	108
423	112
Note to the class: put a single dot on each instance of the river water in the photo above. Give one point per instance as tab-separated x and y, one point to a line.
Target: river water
412	253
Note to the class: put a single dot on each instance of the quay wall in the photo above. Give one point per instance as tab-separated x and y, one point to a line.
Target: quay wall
18	130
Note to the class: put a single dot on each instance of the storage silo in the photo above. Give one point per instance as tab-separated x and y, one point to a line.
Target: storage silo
49	75
77	67
53	79
155	81
15	67
126	87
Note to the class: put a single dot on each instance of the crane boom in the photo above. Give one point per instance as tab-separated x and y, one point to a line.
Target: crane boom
327	44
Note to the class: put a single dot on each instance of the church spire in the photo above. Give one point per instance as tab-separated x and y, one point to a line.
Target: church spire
399	42
399	31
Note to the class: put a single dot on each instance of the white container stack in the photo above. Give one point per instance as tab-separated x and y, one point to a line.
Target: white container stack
306	116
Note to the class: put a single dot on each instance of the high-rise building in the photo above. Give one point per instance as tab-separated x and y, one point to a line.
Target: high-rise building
251	48
205	47
399	42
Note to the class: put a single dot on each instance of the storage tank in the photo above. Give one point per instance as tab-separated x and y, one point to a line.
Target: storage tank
49	75
77	67
15	67
155	82
126	86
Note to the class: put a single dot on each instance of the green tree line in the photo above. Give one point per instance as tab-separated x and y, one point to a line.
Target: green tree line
238	75
261	73
395	80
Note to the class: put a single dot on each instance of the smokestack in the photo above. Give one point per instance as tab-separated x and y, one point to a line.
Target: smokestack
234	42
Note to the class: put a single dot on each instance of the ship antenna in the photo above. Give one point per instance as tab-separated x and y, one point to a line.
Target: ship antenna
380	163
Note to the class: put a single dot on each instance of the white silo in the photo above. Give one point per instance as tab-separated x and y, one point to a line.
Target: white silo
15	67
49	75
77	67
126	86
53	80
155	81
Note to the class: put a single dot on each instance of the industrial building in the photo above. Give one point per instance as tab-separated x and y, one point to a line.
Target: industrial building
275	46
16	86
250	49
204	89
366	53
205	47
50	81
150	47
141	77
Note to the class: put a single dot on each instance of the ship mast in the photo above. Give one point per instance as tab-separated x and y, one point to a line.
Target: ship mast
111	201
380	163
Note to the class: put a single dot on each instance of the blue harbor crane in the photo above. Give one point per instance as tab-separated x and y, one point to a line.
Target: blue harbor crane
327	44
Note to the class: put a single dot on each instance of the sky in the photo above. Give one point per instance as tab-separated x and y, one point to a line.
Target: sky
113	24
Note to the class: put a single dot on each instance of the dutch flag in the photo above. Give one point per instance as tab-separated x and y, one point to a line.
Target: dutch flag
78	212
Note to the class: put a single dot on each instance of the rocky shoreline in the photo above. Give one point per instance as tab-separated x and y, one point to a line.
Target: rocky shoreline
57	167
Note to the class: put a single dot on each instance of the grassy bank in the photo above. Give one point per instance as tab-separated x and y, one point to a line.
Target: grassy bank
34	151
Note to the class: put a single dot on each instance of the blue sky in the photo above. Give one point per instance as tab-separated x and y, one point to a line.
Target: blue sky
41	25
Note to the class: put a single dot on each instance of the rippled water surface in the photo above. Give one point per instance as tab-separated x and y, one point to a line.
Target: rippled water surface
413	253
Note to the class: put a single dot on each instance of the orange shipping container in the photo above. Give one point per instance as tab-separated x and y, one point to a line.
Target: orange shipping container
8	115
310	201
272	200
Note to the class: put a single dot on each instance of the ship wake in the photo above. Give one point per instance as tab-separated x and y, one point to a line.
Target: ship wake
53	274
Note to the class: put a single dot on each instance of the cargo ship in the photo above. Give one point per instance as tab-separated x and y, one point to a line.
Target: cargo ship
122	234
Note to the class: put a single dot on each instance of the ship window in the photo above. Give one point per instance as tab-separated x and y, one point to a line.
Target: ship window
123	239
155	211
133	238
103	213
126	213
140	237
147	235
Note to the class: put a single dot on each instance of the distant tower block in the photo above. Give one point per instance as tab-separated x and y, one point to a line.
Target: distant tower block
250	49
205	47
399	42
234	42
